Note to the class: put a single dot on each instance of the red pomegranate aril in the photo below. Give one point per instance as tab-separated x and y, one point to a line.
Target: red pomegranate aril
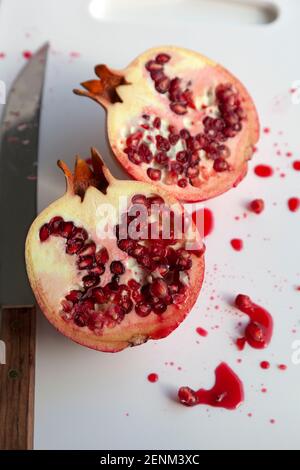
56	225
152	65
161	158
159	288
157	123
159	308
139	199
184	134
154	174
257	206
182	156
44	232
99	295
133	284
157	74
117	267
67	229
178	108
80	233
220	165
91	280
88	249
97	270
192	172
85	262
162	58
102	256
126	244
145	153
162	85
133	140
173	138
74	296
67	306
142	309
80	320
127	305
155	200
137	296
162	143
74	246
176	167
182	183
223	151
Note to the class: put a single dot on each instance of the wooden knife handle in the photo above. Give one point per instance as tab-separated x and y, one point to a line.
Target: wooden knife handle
17	335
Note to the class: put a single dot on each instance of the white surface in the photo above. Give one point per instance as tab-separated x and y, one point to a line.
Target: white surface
82	396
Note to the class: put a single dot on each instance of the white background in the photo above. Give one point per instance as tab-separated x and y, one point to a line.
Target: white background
90	400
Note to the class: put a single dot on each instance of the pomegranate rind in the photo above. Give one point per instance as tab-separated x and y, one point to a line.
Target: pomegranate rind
52	273
138	96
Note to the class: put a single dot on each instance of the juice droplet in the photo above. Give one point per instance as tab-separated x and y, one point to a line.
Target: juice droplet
237	244
267	130
282	367
152	377
228	391
27	55
2	55
296	165
204	220
201	331
265	365
257	206
293	204
263	171
259	331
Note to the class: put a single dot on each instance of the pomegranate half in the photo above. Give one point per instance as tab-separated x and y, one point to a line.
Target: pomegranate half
100	265
179	120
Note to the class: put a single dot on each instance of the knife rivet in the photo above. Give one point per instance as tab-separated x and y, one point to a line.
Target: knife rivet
13	374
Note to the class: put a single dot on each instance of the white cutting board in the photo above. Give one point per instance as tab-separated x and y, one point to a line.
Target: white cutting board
90	400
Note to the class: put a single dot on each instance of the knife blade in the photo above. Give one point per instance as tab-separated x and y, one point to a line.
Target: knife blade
18	177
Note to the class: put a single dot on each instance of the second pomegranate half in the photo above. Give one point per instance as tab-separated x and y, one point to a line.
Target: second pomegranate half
178	120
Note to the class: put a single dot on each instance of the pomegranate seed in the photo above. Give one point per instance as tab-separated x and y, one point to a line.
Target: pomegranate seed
182	183
67	229
182	156
162	58
162	85
152	65
133	284
56	225
157	123
67	306
102	256
145	261
44	232
162	143
99	295
80	233
187	396
117	267
127	305
134	139
223	151
154	174
159	308
192	172
98	270
220	165
137	296
159	288
139	199
85	262
88	249
157	200
176	167
257	206
91	280
74	246
80	320
142	309
74	296
157	74
126	245
184	134
178	108
173	138
145	153
161	158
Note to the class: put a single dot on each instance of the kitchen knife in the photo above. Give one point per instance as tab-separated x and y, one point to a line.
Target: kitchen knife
18	185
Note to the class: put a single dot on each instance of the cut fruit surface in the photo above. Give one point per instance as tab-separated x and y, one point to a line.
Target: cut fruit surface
178	120
108	263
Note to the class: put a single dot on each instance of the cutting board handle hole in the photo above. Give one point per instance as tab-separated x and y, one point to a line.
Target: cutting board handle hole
239	12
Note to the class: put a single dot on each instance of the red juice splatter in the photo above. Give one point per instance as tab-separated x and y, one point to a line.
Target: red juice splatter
282	367
293	204
27	54
74	54
228	391
2	55
296	165
289	154
263	171
272	421
266	130
249	415
201	331
264	390
259	330
204	219
152	377
257	206
237	244
265	365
